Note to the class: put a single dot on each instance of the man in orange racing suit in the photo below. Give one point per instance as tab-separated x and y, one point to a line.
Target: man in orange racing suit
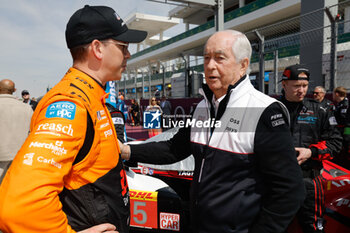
68	175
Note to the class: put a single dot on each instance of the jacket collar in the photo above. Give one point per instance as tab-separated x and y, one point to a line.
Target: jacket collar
88	83
208	95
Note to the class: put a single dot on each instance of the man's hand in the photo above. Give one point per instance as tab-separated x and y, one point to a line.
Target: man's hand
124	150
102	228
304	154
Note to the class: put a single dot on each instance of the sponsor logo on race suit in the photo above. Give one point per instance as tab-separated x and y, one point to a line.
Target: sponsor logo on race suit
118	121
104	125
101	115
108	133
332	120
51	161
306	120
56	129
61	109
277	120
28	159
55	148
85	82
169	221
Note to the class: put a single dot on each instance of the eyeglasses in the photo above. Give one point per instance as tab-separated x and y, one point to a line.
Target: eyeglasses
125	46
153	100
315	93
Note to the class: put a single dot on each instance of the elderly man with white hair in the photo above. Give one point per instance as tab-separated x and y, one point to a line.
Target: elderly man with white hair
246	176
319	94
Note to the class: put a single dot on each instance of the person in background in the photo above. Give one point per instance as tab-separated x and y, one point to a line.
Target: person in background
121	106
166	108
165	105
157	93
319	95
315	139
68	176
14	124
27	100
341	104
135	112
246	176
341	113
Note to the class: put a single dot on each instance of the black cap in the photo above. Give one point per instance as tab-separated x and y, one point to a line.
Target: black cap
99	22
292	73
25	92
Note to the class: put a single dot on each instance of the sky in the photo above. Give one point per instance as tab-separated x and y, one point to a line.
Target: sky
32	43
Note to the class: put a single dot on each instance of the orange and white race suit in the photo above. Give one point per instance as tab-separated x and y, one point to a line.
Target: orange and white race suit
68	175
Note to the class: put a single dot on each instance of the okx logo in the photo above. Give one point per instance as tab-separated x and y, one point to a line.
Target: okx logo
151	120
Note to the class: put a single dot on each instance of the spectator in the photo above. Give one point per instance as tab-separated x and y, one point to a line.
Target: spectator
14	124
315	139
246	175
341	105
68	176
166	108
165	105
153	107
319	95
135	112
27	100
157	93
121	106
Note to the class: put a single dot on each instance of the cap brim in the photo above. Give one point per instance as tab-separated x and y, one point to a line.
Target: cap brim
132	36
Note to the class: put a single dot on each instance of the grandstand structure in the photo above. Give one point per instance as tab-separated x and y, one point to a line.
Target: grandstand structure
282	33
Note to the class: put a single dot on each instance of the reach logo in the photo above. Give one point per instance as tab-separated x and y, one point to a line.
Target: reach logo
151	120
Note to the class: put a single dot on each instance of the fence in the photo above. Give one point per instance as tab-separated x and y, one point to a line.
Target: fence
319	39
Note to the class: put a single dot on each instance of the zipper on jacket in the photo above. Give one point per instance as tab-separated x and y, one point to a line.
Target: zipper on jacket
201	170
207	144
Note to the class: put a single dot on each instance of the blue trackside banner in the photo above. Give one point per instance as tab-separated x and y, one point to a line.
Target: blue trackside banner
112	98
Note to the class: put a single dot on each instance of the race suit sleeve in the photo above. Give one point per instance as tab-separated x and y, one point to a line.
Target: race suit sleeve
29	200
282	176
341	112
119	125
330	141
167	152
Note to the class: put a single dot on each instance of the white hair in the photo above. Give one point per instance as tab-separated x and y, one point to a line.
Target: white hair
241	47
323	90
